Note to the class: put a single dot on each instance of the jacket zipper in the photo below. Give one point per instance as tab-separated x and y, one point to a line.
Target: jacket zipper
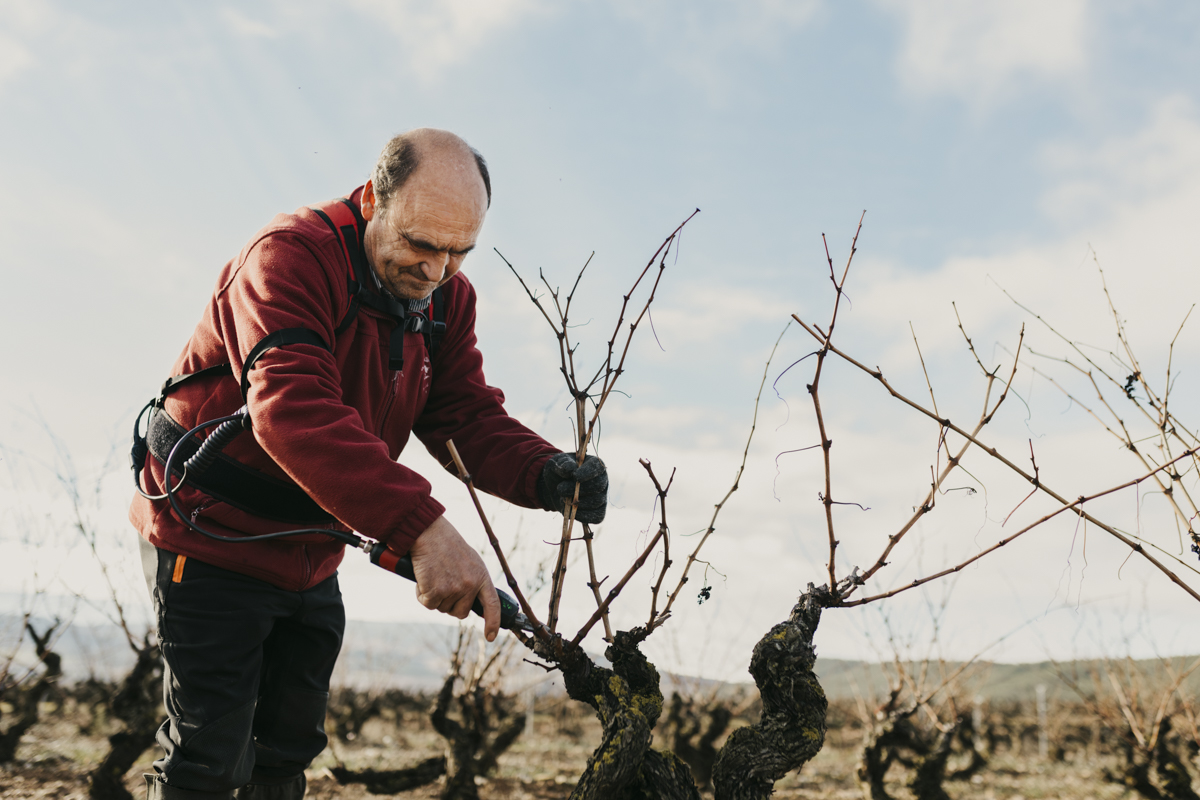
387	408
303	548
196	511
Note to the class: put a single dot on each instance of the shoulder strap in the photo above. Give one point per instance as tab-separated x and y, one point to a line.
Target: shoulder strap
437	322
343	219
173	382
279	338
346	221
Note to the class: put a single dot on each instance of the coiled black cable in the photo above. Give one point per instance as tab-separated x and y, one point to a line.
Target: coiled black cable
232	425
139	454
216	441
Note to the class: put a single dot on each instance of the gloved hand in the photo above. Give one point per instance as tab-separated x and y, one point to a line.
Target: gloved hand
557	485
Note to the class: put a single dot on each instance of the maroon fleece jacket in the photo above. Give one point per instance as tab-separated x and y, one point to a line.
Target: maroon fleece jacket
333	423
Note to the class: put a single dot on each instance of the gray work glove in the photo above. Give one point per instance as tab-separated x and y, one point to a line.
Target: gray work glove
557	482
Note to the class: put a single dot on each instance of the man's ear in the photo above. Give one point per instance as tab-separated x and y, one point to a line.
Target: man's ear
367	204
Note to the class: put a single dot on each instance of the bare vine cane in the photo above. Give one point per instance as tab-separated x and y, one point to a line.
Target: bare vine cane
825	339
1134	545
657	619
539	629
594	584
639	562
1074	505
952	462
1168	426
1165	487
666	540
597	389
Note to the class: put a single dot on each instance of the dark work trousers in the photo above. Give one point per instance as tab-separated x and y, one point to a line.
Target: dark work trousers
245	680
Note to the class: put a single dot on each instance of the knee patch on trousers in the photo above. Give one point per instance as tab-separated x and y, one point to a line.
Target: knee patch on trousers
218	757
289	732
157	790
292	789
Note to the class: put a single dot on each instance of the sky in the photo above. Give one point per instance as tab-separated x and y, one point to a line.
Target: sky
994	146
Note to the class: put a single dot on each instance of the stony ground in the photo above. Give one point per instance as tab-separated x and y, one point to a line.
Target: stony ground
54	758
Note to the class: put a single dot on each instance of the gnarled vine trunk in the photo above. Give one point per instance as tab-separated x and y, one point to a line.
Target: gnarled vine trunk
628	701
792	727
24	699
393	781
687	721
136	704
930	768
1155	772
487	727
881	746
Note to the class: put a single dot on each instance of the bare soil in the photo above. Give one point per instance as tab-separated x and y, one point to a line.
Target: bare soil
54	759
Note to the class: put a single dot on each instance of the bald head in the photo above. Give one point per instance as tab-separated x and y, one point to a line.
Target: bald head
424	208
439	155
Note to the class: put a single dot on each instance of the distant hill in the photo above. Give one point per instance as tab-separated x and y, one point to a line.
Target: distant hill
408	654
414	655
844	680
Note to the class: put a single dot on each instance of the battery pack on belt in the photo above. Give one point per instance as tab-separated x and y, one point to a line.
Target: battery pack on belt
234	483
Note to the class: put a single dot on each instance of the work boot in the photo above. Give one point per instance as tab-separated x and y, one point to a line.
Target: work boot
156	789
292	789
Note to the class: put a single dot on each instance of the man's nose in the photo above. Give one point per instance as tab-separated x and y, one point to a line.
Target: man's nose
434	267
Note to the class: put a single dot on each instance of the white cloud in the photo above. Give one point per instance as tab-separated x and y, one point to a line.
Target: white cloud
1134	198
976	50
21	25
1121	174
435	35
721	25
702	41
13	57
242	25
770	537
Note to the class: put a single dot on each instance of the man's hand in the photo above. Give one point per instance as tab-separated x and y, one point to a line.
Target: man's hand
450	575
557	482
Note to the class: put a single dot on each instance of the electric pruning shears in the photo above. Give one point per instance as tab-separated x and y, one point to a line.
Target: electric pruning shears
511	616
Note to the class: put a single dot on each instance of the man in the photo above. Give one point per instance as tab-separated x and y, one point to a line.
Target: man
333	321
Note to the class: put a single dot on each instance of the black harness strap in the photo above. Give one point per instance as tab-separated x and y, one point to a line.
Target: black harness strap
348	235
433	328
231	481
278	339
437	323
173	382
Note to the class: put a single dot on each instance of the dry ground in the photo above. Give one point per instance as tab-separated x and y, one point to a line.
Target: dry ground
54	758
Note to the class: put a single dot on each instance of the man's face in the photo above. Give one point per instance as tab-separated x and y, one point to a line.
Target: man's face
419	239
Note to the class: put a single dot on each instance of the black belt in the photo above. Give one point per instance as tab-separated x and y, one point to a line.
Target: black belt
231	481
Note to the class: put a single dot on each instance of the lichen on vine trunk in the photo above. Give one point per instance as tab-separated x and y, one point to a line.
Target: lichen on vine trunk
628	700
792	727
